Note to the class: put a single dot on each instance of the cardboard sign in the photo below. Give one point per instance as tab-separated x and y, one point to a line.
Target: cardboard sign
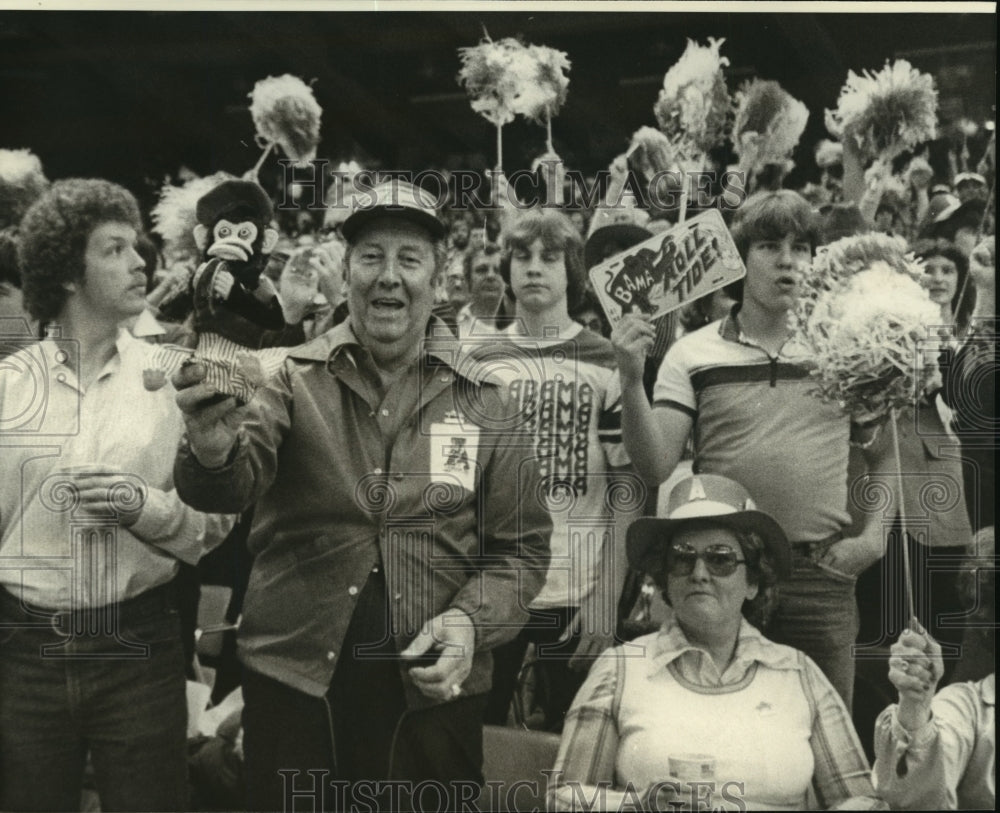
670	269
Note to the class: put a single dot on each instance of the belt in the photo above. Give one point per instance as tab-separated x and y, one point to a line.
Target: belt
155	601
817	546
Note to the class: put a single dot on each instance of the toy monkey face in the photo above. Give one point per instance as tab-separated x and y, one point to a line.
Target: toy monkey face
237	241
233	241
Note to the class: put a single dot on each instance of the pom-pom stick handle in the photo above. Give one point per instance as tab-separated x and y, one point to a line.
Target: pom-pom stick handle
499	148
907	583
252	175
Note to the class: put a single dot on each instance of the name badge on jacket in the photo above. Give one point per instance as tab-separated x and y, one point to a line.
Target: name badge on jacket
454	450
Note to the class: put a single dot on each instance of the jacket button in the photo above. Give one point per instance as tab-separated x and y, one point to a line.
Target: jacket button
352	590
331	655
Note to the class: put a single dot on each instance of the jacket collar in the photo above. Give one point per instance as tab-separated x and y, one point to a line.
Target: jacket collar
751	647
439	345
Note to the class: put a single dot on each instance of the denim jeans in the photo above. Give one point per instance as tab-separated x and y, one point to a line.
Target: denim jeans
69	685
818	613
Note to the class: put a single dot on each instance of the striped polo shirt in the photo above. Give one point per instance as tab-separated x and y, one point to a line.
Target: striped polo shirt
758	421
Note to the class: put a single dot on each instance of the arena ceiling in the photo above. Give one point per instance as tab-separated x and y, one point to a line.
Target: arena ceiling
133	95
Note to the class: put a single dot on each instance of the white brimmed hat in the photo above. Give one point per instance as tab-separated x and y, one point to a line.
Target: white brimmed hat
707	499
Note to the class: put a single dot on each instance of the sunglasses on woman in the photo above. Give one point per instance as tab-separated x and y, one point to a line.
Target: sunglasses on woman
720	560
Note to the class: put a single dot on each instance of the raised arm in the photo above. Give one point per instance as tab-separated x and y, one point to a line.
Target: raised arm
654	437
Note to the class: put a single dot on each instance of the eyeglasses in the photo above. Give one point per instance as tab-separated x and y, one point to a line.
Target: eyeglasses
720	560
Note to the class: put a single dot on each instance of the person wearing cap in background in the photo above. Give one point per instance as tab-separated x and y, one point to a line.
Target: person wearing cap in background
760	722
940	199
962	224
971	186
741	385
396	534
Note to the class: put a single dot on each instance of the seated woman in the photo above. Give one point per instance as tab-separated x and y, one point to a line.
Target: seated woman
768	729
938	752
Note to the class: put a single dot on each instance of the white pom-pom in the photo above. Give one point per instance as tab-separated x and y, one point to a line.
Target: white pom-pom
886	113
694	106
768	125
285	112
544	84
495	74
867	336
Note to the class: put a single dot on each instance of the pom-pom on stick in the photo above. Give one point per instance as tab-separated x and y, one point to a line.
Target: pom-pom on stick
22	181
285	113
767	127
694	106
887	112
494	74
865	335
544	86
542	95
651	152
838	261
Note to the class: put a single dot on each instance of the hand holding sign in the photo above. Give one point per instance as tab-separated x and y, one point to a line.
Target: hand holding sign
632	338
669	269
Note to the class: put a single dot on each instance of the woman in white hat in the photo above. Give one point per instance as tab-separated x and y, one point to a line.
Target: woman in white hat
708	711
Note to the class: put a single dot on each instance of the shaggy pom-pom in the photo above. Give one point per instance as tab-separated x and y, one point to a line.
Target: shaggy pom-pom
768	125
866	338
887	112
495	74
540	97
835	263
694	105
650	152
285	112
22	181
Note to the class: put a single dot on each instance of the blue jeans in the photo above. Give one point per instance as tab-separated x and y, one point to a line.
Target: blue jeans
818	613
68	686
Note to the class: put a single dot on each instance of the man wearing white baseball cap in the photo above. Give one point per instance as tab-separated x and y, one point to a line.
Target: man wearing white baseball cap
396	535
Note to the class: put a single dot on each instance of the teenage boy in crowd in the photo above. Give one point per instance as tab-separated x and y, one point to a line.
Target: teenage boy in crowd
92	530
743	385
564	382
